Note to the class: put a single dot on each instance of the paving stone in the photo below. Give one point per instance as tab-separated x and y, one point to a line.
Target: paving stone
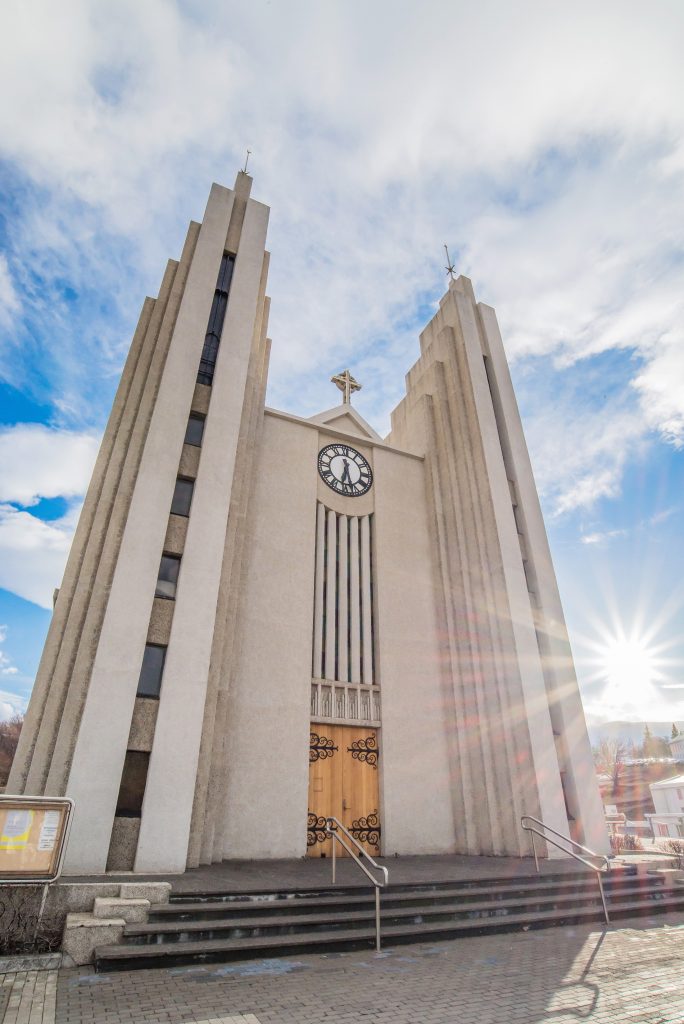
623	975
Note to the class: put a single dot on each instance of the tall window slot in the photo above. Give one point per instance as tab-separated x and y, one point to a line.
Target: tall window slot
151	670
216	317
194	432
133	780
182	496
168	577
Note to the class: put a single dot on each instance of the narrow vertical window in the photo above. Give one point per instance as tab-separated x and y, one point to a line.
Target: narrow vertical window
182	496
133	780
168	577
149	683
216	317
194	432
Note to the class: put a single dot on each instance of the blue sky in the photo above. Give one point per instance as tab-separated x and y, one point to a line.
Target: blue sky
544	144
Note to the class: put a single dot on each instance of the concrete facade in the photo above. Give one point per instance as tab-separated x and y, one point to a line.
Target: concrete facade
437	622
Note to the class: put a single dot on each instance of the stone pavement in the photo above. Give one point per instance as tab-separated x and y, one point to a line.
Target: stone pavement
631	974
28	997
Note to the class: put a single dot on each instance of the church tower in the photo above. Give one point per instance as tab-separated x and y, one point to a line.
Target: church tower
266	620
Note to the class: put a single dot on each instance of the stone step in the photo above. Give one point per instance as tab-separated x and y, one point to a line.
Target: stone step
293	901
465	884
285	923
128	957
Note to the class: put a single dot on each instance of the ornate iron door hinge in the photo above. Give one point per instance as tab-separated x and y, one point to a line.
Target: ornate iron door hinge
365	750
320	747
367	830
315	829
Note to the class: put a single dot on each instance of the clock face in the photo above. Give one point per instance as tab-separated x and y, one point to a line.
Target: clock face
344	470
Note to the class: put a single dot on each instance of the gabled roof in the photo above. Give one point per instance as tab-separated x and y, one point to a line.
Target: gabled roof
678	780
348	420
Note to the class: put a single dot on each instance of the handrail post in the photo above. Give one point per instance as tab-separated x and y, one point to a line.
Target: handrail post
547	828
377	919
603	896
335	829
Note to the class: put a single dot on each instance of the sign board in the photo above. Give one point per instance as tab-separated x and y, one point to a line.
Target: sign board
33	835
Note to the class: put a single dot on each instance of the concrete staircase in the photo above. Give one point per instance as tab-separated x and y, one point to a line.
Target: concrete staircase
215	927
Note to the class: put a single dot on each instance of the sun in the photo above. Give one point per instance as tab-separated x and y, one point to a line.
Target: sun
628	664
629	667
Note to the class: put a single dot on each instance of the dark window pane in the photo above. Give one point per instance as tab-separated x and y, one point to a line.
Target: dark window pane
182	496
149	683
225	273
194	431
168	576
133	779
217	315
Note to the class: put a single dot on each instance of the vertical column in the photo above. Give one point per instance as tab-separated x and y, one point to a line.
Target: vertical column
330	594
96	767
366	609
317	668
355	602
167	807
342	604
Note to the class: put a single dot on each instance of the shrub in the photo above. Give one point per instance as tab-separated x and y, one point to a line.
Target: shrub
21	931
674	847
621	842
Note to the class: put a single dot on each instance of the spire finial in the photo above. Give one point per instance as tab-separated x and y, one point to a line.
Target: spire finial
450	269
249	153
346	383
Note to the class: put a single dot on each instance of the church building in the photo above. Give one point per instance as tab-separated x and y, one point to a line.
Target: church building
267	619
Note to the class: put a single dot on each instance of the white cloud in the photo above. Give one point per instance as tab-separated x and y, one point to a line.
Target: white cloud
10	705
661	387
33	553
601	537
41	462
579	450
9	301
6	666
379	132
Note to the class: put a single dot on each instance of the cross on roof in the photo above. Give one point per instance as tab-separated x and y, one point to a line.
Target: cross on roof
450	268
346	383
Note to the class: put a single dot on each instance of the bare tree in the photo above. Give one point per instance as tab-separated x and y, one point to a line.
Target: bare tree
9	737
609	758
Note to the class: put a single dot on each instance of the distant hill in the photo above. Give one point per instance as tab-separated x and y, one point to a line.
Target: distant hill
629	731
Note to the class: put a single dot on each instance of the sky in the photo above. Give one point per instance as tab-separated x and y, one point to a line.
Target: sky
543	142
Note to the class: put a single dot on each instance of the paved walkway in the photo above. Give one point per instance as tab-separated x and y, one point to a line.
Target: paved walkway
624	975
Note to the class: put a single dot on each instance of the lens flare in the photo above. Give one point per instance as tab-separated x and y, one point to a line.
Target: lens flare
630	665
629	672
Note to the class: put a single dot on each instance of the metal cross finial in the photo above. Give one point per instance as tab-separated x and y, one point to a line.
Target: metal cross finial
249	153
450	269
346	383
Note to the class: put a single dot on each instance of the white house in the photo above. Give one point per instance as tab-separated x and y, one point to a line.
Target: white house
677	747
668	800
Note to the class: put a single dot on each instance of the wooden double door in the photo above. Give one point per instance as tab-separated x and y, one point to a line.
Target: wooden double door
343	783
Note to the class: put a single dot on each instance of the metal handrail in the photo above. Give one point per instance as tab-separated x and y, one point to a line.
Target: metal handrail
334	833
573	842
